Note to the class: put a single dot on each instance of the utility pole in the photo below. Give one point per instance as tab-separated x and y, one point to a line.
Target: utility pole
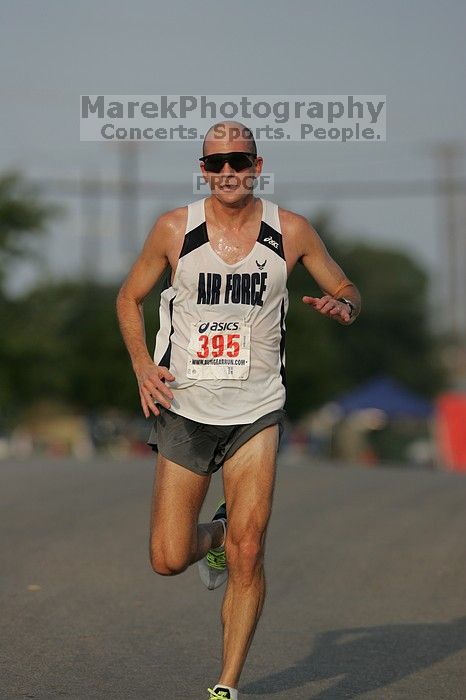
453	243
91	194
128	202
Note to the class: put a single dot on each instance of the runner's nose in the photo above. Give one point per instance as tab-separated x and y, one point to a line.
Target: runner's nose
227	169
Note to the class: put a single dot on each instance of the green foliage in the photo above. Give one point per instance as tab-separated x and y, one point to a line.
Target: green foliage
63	339
391	335
62	342
313	360
21	216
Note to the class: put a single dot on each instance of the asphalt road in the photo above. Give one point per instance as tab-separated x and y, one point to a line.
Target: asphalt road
366	576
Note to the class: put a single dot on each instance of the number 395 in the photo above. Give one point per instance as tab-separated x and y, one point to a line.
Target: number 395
218	347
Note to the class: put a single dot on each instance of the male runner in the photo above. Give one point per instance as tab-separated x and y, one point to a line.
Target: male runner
217	382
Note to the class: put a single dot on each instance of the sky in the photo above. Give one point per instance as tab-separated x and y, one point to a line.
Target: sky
413	51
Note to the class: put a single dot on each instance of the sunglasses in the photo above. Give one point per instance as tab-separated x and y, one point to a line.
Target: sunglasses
238	160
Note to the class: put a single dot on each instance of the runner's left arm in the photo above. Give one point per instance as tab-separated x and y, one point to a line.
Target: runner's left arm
330	277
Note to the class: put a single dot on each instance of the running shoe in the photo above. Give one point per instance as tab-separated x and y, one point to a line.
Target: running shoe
218	693
213	567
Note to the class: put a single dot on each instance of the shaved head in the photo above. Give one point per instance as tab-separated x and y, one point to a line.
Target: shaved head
223	135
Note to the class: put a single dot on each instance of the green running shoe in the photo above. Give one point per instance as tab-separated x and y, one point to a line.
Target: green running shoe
213	567
218	693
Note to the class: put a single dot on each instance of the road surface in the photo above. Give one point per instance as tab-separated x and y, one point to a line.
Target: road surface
366	577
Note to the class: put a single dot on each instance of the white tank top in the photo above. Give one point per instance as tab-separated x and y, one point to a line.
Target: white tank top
222	326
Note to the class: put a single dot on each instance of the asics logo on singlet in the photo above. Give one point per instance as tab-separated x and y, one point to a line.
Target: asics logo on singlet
272	241
219	326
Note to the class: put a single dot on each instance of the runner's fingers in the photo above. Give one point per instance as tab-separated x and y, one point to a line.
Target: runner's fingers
324	301
343	313
153	385
163	372
152	406
155	395
145	408
161	399
159	385
149	402
327	306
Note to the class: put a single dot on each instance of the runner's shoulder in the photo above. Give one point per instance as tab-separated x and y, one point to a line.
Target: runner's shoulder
299	236
293	224
172	222
167	233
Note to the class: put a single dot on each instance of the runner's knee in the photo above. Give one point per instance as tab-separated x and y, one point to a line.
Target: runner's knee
168	564
244	553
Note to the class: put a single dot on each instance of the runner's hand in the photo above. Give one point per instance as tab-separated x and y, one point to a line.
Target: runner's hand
328	306
152	387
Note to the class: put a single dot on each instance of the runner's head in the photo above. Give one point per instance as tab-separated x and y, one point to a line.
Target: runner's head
228	136
230	163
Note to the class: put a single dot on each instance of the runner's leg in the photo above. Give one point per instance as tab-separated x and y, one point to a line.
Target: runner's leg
249	479
176	538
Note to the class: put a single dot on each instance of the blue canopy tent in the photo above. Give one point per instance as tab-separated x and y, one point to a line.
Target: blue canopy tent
387	395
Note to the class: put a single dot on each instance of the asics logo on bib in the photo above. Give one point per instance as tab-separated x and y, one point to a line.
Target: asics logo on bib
219	326
233	288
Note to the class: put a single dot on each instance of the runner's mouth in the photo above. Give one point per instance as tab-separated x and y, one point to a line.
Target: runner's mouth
229	187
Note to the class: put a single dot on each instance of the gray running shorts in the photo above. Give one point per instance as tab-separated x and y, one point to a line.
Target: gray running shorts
204	448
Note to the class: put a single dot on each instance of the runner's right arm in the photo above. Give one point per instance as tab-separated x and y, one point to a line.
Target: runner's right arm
143	276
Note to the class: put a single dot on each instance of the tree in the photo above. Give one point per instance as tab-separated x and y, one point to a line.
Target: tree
391	335
61	340
21	217
63	343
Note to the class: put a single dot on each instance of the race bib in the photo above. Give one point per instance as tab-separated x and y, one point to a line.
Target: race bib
219	355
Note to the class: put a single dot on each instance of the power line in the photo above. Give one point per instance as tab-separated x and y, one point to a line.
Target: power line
128	190
379	189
